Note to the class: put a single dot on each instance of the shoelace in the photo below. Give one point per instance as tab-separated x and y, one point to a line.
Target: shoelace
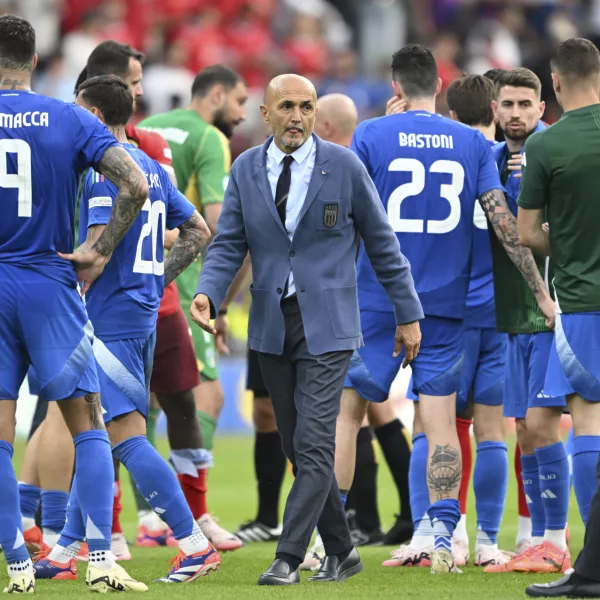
41	554
176	561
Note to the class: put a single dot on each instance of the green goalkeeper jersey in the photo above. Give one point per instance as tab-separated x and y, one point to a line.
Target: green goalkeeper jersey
561	175
202	161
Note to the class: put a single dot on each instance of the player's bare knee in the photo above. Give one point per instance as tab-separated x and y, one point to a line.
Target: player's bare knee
524	437
543	424
585	415
417	423
488	423
126	426
381	413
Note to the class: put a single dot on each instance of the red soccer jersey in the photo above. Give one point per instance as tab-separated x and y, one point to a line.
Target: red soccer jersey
156	147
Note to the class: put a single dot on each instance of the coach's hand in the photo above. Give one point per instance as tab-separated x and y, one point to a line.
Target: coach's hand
409	336
200	313
88	264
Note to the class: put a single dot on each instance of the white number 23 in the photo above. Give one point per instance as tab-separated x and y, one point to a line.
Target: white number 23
448	191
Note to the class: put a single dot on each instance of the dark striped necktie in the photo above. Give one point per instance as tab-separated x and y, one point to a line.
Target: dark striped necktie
283	187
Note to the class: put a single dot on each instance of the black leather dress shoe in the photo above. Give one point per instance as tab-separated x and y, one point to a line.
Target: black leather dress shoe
334	570
279	573
570	586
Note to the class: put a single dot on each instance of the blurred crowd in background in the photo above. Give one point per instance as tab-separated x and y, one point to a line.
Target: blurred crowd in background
341	45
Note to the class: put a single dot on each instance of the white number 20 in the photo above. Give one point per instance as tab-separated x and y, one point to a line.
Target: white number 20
449	191
154	226
21	180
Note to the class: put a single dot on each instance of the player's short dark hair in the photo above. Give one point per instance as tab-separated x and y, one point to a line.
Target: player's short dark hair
415	69
577	58
214	75
520	77
471	98
17	43
109	58
495	74
111	95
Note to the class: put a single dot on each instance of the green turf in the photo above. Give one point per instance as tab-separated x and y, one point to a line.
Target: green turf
232	499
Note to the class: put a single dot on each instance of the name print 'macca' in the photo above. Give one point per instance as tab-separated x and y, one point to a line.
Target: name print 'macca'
26	119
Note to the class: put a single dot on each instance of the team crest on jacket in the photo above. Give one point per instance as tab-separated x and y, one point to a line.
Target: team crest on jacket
330	215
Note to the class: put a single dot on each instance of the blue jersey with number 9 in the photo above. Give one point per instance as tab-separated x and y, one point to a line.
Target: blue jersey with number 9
123	303
45	145
429	172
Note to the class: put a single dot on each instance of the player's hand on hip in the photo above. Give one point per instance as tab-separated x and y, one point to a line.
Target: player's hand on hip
548	307
409	336
200	313
395	106
222	334
88	264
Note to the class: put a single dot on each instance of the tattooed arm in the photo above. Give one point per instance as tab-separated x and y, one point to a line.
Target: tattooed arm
89	260
193	234
122	170
505	225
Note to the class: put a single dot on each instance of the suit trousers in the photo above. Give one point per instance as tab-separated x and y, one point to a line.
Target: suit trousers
588	561
306	392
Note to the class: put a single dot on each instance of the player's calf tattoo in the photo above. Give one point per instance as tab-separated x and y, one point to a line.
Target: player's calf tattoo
95	410
445	470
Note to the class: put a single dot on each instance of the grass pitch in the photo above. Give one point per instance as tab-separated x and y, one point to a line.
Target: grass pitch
232	498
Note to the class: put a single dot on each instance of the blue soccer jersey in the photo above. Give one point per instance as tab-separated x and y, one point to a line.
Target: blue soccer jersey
45	145
428	171
123	303
480	311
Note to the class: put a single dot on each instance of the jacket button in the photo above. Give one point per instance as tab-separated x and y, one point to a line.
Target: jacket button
292	253
279	291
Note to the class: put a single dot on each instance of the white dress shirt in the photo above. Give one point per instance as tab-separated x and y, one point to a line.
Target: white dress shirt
301	170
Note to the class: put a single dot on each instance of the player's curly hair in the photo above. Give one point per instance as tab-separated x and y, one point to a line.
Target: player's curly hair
111	96
17	43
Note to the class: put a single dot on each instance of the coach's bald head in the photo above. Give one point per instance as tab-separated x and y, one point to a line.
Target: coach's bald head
289	110
337	119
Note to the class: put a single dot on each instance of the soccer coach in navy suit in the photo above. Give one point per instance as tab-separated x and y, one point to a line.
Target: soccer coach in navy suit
299	204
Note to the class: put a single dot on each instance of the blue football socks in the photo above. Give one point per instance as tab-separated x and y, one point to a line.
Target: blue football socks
490	482
586	451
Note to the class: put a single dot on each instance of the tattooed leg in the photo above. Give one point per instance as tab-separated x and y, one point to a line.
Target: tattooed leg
82	414
444	469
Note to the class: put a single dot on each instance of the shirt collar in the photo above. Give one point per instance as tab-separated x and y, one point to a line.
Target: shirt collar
299	155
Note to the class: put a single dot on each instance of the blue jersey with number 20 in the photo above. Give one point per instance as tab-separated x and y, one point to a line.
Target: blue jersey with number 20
429	172
123	302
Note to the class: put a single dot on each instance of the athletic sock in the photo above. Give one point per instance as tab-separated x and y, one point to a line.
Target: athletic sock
194	489
419	493
157	482
208	425
522	500
117	508
30	497
364	484
269	467
397	452
54	514
533	495
11	528
95	475
554	486
490	483
343	497
460	531
569	442
73	532
444	515
586	450
463	429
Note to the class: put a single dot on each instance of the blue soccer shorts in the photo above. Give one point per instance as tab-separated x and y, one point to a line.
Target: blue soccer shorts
574	364
436	369
527	358
124	370
482	377
43	323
